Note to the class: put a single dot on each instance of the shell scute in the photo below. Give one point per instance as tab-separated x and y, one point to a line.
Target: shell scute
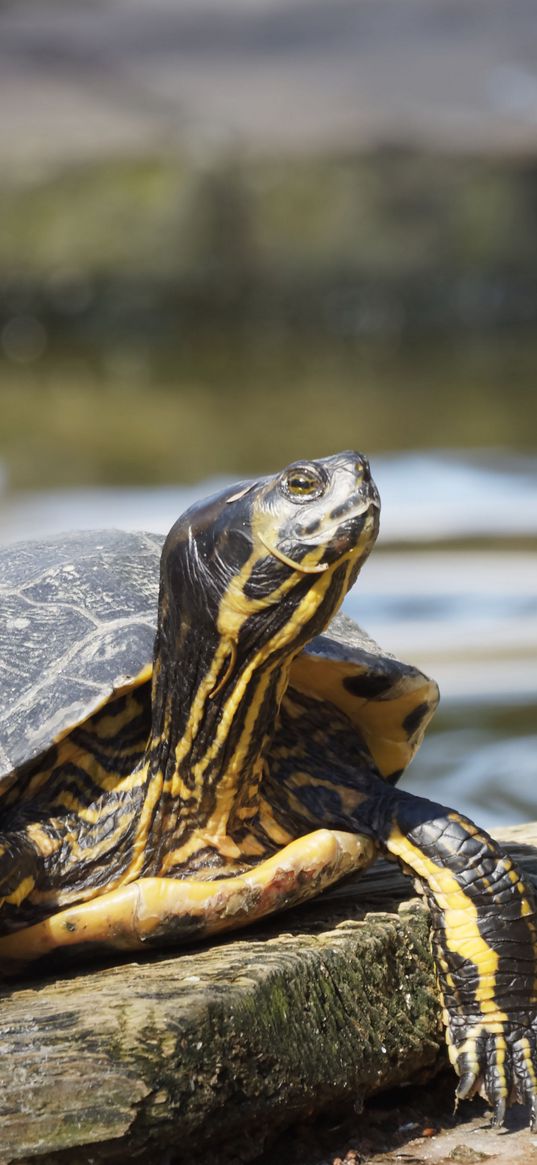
78	617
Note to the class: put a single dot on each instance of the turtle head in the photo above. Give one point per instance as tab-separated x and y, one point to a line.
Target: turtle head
232	559
315	514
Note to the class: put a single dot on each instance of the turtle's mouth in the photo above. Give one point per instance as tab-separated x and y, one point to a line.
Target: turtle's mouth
348	521
356	532
355	535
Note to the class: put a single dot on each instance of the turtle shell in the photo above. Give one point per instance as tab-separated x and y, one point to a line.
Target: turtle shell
77	624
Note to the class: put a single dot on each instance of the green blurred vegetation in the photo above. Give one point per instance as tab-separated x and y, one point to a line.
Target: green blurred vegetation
168	318
235	408
301	236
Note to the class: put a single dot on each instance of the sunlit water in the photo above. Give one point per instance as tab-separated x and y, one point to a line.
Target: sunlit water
451	587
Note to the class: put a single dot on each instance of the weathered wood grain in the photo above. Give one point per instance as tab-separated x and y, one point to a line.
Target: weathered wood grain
201	1055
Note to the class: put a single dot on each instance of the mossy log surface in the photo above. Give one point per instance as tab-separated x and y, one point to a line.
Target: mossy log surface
204	1054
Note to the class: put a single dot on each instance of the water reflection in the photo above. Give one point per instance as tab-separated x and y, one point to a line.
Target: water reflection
492	774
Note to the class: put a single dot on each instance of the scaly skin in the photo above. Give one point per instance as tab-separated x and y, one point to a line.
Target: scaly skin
483	911
245	801
484	937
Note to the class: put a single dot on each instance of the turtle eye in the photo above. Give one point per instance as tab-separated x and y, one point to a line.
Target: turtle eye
301	483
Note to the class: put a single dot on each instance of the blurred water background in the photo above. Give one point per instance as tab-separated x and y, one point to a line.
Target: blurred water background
237	235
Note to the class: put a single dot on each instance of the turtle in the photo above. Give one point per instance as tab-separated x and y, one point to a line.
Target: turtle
159	786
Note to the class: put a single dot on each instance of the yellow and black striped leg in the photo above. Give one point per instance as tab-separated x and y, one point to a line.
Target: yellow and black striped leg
484	931
19	865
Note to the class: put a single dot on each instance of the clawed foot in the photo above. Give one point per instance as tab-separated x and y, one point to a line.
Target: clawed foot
498	1061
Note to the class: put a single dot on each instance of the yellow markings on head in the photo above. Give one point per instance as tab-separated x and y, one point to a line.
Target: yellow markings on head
236	606
305	566
269	533
460	917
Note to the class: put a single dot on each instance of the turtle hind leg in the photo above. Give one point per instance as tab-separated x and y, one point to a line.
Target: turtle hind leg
156	912
20	864
53	861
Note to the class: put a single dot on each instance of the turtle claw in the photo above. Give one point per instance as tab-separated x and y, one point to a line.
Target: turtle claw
501	1066
468	1086
533	1114
498	1116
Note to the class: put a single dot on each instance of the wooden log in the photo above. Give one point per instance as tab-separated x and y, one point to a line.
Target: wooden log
203	1054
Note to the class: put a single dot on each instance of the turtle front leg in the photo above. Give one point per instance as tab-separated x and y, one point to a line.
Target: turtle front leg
484	933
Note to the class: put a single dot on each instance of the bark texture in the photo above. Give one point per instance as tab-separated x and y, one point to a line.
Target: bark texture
204	1054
